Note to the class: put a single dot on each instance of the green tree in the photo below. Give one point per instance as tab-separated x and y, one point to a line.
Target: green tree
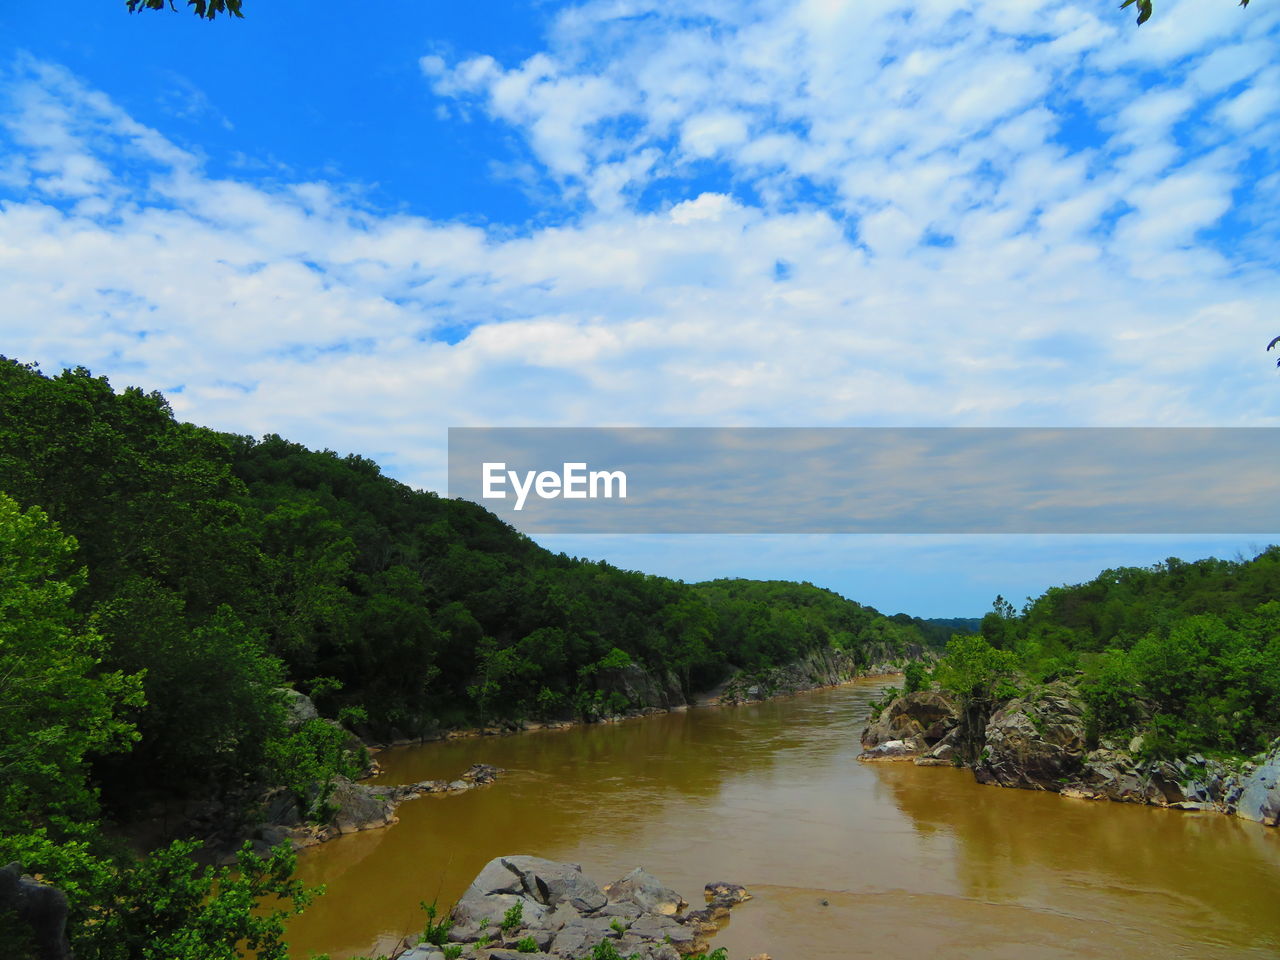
58	707
915	677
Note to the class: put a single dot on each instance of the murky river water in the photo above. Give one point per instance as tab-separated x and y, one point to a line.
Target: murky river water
913	862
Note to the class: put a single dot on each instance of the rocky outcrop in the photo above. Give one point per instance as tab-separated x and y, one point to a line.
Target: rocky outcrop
644	689
38	908
528	908
913	725
354	807
1260	790
644	890
1037	742
821	668
299	708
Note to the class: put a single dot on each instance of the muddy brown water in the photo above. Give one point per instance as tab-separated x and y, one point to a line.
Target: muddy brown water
911	862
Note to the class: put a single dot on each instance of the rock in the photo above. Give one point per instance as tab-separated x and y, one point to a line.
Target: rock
721	891
644	891
39	906
538	885
926	715
944	753
1035	742
621	911
662	929
359	807
481	773
894	750
642	688
282	809
567	915
298	707
1259	798
578	937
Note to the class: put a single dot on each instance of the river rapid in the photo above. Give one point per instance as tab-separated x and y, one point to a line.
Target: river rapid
844	859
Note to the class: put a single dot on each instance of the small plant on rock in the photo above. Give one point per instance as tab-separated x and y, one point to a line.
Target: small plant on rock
618	926
527	945
512	919
436	933
605	950
452	951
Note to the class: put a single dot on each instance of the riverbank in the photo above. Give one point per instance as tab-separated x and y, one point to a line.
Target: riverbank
1038	741
652	696
360	806
843	858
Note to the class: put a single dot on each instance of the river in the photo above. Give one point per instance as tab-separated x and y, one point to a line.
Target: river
909	861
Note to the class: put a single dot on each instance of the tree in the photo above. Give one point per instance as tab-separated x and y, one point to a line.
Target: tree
57	707
206	9
976	671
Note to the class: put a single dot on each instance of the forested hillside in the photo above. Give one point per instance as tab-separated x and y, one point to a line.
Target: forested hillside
1185	654
219	567
160	582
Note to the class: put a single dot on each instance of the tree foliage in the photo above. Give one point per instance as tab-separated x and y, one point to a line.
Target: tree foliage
205	9
1187	654
159	581
58	707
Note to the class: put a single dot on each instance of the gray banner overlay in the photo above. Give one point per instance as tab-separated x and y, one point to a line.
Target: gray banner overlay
872	480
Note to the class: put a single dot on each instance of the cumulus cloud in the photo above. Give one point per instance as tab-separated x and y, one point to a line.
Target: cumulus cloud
810	213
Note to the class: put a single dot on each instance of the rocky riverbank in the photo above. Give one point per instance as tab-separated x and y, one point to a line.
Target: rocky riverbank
528	908
822	668
360	806
1038	742
354	807
648	693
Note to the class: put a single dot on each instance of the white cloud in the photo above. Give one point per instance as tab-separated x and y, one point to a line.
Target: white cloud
876	214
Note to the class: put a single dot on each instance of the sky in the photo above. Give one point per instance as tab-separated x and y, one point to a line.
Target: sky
357	229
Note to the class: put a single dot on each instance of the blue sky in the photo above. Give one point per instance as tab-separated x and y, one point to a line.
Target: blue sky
359	230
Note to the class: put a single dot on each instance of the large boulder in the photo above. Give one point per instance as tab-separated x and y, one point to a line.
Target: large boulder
38	906
1259	798
910	725
359	807
645	891
1036	742
298	707
538	885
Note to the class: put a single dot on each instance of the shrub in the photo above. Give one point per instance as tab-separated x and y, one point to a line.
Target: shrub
512	919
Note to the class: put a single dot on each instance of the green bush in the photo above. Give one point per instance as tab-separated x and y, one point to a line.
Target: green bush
915	677
435	932
512	919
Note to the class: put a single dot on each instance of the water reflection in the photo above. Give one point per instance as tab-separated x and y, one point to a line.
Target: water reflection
909	860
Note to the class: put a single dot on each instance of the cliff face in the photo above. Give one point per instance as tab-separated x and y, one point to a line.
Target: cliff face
821	668
643	688
1037	742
